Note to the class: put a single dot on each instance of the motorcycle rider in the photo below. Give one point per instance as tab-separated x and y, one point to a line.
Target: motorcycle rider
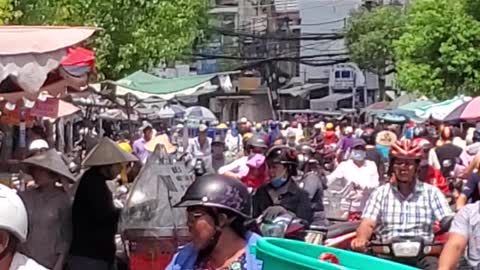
238	168
217	208
464	233
418	204
282	195
13	230
372	153
444	157
361	178
313	181
426	172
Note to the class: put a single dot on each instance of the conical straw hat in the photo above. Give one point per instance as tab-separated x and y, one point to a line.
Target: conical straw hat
161	139
107	152
51	161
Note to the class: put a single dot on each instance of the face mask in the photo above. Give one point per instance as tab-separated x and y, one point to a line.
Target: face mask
278	182
358	155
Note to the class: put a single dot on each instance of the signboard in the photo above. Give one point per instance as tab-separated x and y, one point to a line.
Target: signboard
176	179
49	108
14	117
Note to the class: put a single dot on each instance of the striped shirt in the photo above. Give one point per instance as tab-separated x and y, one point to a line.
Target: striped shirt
399	216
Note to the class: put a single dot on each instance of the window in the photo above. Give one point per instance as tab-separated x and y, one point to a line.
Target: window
346	74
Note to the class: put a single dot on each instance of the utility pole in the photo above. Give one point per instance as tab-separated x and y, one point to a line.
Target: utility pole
269	67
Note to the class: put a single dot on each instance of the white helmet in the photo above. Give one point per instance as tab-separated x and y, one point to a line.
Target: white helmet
13	215
38	144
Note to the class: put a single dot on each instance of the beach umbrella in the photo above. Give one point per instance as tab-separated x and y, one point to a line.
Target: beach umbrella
199	113
467	111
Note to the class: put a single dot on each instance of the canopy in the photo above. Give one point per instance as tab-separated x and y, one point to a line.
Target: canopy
144	85
302	90
53	108
199	113
402	100
328	102
467	111
441	110
117	114
29	53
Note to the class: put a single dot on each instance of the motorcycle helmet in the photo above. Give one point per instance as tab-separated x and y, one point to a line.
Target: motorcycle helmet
218	191
406	149
476	135
369	136
256	141
420	132
13	214
284	155
329	126
199	168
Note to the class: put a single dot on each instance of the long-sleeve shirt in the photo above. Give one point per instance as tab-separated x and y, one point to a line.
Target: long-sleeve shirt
94	219
360	182
49	225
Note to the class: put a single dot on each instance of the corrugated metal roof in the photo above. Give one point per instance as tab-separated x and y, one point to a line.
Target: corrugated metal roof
286	6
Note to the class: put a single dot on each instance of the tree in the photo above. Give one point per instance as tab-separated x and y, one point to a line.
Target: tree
7	13
369	39
472	7
134	34
438	54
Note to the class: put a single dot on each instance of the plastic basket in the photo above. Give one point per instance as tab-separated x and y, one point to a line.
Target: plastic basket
286	254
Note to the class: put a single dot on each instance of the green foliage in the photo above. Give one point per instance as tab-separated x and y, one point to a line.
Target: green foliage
135	34
7	12
438	55
370	36
473	8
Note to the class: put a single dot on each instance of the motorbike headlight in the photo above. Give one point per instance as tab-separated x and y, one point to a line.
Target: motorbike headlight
406	249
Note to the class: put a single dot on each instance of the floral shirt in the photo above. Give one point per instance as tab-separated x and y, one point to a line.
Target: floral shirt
239	263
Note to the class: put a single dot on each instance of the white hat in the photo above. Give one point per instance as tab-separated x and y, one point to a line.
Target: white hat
38	144
179	126
348	130
202	128
243	120
13	215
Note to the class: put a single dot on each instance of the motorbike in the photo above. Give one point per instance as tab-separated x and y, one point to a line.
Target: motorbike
337	235
412	248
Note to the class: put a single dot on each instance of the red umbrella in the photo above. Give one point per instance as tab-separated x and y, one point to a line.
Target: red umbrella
468	111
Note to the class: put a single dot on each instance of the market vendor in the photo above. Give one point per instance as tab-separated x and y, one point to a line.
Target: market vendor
139	145
94	215
49	210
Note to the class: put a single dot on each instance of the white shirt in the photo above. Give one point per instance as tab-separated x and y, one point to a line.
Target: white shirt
239	166
201	152
22	262
360	182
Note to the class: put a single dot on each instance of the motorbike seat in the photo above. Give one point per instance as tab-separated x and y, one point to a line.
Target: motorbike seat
338	229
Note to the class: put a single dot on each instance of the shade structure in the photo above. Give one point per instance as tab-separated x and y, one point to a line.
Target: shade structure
439	111
171	111
467	111
53	108
29	53
199	113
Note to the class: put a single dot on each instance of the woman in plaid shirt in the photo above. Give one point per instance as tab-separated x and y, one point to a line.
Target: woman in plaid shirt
405	208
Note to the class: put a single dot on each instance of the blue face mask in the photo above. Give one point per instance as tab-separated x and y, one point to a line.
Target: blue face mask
278	182
358	155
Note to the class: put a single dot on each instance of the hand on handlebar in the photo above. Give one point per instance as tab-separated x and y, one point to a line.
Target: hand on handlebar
360	245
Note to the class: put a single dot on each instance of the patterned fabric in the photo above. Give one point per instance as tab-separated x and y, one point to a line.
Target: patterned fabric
238	264
397	216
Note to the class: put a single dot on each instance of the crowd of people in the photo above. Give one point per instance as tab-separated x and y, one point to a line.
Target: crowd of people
397	181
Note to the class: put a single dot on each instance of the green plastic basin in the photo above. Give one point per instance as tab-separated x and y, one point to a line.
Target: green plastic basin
283	254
